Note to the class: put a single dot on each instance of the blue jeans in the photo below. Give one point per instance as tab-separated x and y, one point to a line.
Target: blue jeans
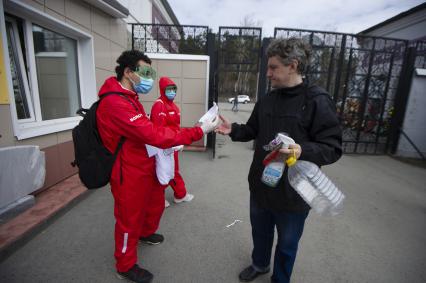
289	227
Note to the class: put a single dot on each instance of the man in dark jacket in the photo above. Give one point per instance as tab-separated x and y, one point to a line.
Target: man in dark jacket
307	114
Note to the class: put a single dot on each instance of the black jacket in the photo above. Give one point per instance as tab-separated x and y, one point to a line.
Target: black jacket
308	115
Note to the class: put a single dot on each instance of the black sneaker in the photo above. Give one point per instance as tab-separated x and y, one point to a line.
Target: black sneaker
153	239
136	274
249	274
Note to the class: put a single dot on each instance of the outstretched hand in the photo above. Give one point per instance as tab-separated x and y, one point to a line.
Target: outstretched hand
225	127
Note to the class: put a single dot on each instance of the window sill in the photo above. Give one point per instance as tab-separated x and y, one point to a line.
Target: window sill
35	129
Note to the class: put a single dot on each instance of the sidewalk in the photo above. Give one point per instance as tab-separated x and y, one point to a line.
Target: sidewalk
380	237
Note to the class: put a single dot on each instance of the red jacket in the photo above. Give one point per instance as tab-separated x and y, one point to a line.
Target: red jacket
165	112
117	117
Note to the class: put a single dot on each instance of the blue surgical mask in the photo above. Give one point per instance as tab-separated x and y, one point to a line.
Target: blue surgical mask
170	94
144	86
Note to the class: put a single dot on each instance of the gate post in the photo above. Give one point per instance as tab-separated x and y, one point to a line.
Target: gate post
133	36
211	138
262	85
401	98
339	69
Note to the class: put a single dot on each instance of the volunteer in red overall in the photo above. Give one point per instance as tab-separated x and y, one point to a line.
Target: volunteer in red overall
138	206
165	112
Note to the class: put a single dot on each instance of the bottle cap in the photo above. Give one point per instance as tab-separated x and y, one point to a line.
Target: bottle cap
292	159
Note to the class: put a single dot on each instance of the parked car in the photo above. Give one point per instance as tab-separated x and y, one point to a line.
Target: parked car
241	99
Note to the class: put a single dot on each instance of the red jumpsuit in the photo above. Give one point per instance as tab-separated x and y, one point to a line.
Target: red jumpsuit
138	204
165	112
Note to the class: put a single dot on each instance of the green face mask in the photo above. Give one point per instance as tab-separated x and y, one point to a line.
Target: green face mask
146	72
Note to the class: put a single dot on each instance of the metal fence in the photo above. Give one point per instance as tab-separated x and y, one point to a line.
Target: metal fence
163	38
367	77
238	61
361	74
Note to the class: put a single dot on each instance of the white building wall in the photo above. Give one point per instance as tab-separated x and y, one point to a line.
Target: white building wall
415	118
410	28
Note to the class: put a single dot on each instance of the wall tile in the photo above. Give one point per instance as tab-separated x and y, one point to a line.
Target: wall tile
39	5
194	91
194	69
147	105
101	76
42	141
56	5
100	23
53	170
170	68
102	48
54	14
79	12
6	131
119	33
64	136
78	26
190	113
66	156
116	51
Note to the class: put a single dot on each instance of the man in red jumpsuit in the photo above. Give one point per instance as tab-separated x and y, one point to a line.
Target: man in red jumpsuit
138	204
165	112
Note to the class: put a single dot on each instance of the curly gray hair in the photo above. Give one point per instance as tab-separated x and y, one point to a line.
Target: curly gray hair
291	49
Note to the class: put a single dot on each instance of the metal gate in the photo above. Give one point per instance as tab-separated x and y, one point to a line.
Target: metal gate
367	77
238	61
164	38
362	75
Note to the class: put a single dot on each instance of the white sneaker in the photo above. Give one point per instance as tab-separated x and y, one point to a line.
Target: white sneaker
186	198
166	204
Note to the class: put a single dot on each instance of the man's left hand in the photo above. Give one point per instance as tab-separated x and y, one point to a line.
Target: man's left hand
292	148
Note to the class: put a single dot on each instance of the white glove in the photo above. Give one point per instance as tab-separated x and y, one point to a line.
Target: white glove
178	148
168	151
210	125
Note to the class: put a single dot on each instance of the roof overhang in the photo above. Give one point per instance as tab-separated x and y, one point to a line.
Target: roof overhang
111	7
395	18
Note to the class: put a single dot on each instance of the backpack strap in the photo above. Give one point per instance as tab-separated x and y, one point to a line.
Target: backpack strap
122	139
122	95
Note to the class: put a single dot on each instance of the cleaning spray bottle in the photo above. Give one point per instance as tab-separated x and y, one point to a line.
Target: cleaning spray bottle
274	168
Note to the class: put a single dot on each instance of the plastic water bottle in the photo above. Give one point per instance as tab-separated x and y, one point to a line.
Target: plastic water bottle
315	187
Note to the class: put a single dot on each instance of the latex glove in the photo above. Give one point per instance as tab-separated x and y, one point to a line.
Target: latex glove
225	128
210	125
178	148
168	151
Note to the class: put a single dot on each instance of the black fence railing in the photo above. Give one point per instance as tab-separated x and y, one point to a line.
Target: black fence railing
362	74
238	50
162	38
367	77
420	53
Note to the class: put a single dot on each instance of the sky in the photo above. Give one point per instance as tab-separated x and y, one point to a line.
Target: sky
349	16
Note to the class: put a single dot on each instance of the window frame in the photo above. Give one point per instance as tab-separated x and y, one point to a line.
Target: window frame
23	74
86	72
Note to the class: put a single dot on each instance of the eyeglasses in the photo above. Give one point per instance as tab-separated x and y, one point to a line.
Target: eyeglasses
146	72
171	88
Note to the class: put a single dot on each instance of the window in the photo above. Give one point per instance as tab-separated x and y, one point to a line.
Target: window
17	68
57	73
56	69
48	82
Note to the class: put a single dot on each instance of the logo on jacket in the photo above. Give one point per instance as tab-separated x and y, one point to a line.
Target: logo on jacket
135	117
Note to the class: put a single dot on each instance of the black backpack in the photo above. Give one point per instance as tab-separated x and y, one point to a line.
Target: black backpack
93	159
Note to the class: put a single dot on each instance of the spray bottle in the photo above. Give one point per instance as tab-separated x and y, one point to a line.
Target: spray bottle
274	168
